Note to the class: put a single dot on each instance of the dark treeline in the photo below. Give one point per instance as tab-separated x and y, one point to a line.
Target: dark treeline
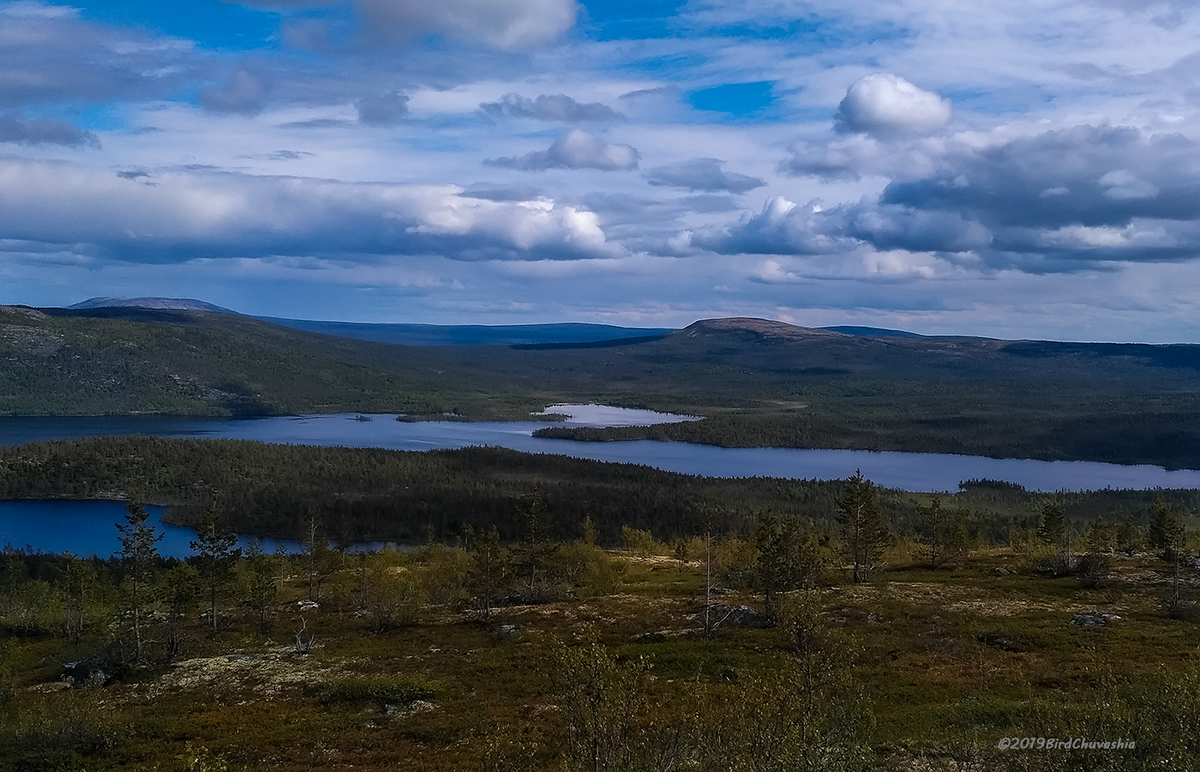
1169	438
371	494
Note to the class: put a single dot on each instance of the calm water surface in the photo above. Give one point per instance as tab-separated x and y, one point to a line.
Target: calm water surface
88	527
907	471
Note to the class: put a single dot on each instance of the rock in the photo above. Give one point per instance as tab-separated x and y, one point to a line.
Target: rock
84	674
307	605
504	631
733	616
721	591
1094	620
420	706
1001	571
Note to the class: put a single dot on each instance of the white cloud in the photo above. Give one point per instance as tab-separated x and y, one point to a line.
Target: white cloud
886	105
1124	185
574	150
170	217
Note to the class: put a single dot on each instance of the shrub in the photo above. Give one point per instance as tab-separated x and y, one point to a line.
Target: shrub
640	542
382	690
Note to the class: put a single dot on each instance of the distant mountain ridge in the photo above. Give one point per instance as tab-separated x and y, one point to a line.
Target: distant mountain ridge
554	334
473	334
155	304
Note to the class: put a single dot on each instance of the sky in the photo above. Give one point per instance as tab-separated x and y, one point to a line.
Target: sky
1026	169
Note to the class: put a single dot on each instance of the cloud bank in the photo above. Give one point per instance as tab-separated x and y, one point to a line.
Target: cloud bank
184	215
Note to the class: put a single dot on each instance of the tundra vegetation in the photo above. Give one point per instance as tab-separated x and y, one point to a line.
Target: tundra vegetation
569	615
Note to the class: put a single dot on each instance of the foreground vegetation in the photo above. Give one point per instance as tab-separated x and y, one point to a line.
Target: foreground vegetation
545	655
778	625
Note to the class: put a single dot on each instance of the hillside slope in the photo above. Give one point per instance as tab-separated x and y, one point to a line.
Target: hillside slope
758	383
135	360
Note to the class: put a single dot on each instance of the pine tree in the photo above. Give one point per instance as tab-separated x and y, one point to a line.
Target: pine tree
317	558
787	560
862	526
489	571
944	533
1055	531
215	547
1167	535
78	580
534	551
262	581
138	555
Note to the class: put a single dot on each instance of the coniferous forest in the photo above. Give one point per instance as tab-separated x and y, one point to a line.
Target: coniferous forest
549	613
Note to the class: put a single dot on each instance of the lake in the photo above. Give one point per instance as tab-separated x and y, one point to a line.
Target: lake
907	471
89	527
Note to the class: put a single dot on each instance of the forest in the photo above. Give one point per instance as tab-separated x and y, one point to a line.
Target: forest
820	626
407	496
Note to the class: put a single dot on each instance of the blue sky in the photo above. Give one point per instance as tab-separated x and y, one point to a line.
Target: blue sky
1024	169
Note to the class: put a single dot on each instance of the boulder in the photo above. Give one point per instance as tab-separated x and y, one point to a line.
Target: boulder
1094	620
84	674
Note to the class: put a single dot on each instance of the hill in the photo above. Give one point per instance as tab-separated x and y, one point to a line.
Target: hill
161	304
757	382
130	360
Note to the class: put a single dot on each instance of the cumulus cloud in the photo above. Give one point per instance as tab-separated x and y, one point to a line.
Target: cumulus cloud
1077	176
510	25
703	174
45	132
382	110
556	107
1056	201
192	214
886	105
242	93
782	228
574	150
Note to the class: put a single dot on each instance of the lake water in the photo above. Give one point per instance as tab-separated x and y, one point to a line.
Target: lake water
89	527
907	471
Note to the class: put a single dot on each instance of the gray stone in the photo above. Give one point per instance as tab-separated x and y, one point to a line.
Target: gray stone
1094	620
